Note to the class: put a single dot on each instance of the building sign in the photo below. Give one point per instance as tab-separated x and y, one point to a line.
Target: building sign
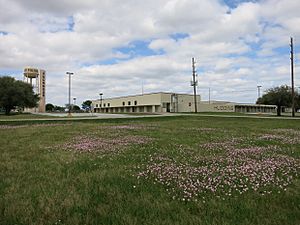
224	108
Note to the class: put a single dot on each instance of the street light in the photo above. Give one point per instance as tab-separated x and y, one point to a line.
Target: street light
74	103
100	106
258	91
69	74
258	95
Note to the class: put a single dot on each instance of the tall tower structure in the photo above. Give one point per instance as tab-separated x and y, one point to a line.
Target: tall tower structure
37	78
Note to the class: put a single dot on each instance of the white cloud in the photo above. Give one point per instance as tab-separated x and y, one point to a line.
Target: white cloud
235	49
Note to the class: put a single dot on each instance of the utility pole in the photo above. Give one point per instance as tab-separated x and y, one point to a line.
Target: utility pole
69	74
194	83
292	76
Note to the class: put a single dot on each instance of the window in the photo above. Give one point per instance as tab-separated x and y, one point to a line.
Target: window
104	104
135	102
96	105
108	104
123	103
129	103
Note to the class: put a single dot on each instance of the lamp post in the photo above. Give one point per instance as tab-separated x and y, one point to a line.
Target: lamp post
258	91
74	102
100	106
258	95
69	74
208	95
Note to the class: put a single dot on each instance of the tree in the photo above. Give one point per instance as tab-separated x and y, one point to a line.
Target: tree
49	107
297	102
76	108
59	108
15	93
279	96
86	105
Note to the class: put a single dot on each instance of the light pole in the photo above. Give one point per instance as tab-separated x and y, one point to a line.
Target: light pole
69	74
74	103
258	91
100	106
208	95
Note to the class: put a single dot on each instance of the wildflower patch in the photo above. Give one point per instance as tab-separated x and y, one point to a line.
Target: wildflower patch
256	169
86	143
129	127
281	138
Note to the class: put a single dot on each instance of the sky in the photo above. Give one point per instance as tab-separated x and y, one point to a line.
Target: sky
119	48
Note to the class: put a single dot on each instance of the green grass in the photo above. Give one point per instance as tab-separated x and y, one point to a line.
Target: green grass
15	116
134	113
297	114
44	182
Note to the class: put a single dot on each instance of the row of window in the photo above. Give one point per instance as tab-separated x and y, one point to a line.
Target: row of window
129	103
108	104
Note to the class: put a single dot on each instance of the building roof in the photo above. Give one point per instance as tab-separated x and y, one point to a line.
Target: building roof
151	93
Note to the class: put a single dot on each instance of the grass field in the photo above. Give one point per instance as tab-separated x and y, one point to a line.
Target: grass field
21	116
172	170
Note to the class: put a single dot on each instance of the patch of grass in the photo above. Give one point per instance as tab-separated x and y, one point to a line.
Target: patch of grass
297	114
45	179
21	116
135	113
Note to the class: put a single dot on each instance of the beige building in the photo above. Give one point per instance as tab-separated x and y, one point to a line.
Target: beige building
37	78
222	106
147	103
172	102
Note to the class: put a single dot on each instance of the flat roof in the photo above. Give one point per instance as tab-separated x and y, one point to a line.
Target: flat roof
245	104
212	102
152	93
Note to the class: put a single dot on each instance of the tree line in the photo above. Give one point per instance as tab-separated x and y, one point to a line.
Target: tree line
85	107
15	94
281	97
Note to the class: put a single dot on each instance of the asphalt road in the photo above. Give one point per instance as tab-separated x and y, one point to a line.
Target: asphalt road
92	116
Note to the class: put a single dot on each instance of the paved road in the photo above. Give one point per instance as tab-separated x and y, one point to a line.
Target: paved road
87	116
248	116
92	116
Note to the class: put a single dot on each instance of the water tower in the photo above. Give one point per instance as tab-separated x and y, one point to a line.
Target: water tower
37	78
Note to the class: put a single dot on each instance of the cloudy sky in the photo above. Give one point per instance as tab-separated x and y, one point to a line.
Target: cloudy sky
117	47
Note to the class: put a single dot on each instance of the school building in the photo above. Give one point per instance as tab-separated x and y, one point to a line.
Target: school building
161	102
